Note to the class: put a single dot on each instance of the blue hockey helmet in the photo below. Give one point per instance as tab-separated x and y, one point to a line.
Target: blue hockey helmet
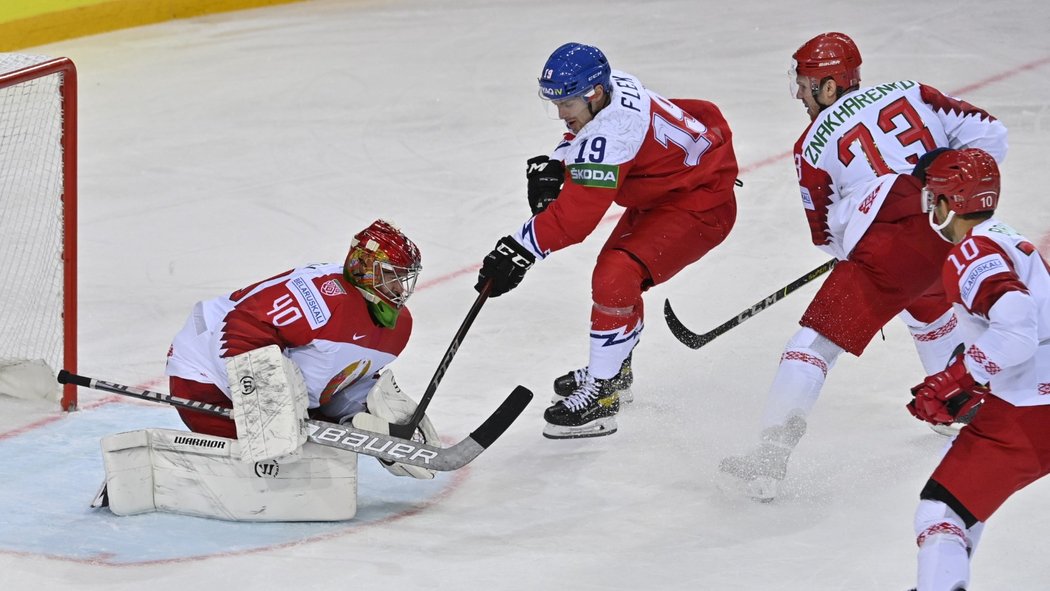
573	70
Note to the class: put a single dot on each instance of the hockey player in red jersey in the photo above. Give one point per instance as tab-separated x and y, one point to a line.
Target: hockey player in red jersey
311	342
998	281
670	163
338	325
863	209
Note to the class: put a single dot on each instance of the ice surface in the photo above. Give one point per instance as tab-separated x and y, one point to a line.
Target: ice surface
217	151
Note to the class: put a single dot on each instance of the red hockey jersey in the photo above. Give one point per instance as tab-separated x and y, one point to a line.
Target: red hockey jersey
641	151
320	321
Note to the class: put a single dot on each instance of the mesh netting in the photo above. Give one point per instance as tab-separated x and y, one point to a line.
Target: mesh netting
31	224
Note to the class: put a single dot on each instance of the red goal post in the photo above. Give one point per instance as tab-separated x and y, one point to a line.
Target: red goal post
38	226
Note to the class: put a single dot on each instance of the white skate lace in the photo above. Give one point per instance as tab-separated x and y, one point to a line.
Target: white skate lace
583	395
580	375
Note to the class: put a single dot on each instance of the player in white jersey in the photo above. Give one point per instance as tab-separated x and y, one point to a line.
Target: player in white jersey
999	281
862	208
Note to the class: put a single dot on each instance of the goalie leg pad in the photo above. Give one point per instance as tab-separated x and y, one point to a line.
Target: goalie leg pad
129	473
388	404
203	476
269	404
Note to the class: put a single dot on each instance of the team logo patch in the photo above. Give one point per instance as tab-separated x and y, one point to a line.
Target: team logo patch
268	469
606	176
332	288
865	206
346	378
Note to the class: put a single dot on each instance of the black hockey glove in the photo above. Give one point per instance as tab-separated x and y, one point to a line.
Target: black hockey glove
924	162
505	266
545	177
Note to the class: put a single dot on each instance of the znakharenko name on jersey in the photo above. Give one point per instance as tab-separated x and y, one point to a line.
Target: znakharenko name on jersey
833	118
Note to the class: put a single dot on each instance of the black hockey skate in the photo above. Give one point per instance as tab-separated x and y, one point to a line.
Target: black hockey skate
570	382
590	411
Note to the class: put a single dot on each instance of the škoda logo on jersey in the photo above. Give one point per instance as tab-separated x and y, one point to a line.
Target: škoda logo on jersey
606	176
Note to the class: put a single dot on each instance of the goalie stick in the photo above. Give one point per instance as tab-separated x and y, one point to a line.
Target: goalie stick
384	447
695	341
407	430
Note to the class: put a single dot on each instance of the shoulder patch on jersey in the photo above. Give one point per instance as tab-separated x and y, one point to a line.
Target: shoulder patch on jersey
332	288
807	199
310	300
979	270
605	176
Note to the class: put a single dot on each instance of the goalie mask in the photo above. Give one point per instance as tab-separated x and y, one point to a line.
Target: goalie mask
383	265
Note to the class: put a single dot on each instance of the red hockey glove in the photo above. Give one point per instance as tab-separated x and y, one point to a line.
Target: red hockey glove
946	395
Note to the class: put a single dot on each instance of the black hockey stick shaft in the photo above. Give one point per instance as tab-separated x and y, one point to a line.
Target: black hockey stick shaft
695	341
348	438
407	430
64	377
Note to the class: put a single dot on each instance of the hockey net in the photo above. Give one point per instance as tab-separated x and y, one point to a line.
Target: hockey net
37	226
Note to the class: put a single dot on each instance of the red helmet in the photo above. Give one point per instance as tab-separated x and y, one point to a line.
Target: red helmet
832	55
383	264
968	179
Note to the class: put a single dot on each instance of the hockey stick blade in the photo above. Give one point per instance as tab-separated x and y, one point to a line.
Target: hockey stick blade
442	459
695	341
384	447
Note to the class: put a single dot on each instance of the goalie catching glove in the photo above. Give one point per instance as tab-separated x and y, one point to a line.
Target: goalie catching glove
946	395
387	404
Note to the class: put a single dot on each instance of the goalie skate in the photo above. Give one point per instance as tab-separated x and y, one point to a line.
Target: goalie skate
567	384
590	411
